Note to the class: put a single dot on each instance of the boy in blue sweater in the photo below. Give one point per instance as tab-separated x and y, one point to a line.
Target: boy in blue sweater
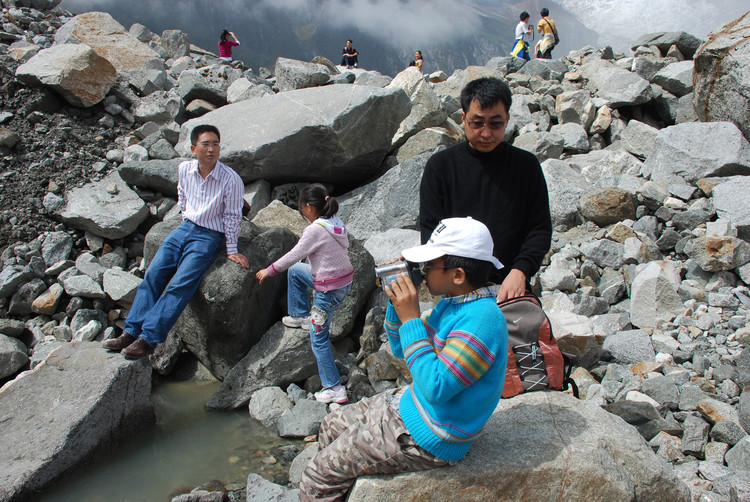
457	359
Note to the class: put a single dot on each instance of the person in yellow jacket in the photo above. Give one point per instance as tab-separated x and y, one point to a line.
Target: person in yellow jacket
550	37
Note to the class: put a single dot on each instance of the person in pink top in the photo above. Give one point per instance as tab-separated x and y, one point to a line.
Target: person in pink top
225	45
325	243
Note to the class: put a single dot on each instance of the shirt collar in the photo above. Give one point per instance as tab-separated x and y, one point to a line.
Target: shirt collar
215	173
484	292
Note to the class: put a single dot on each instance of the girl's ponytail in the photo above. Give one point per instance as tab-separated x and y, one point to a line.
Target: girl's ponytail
317	196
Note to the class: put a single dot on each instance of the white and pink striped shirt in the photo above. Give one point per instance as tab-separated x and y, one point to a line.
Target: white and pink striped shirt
214	203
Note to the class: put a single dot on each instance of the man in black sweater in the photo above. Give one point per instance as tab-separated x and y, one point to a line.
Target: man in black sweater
494	182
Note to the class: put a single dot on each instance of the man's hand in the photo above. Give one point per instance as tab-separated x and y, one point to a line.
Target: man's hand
404	297
239	259
513	286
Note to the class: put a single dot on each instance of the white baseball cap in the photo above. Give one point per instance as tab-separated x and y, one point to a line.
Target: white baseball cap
465	237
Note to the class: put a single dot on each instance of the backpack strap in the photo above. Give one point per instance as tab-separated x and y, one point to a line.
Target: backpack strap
567	381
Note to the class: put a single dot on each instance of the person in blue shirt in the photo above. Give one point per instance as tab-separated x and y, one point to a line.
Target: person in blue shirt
457	358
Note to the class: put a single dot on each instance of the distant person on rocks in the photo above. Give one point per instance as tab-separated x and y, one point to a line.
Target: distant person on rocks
523	32
494	182
210	196
550	38
457	357
325	243
418	61
225	45
349	57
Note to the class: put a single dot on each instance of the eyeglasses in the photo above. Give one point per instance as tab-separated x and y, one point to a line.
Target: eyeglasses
209	144
495	125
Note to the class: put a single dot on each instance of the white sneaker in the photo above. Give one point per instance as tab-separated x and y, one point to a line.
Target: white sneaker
296	322
336	394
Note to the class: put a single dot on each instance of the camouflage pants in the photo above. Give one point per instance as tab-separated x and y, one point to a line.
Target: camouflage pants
367	437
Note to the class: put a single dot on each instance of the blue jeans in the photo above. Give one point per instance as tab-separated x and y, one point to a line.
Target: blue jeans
183	258
299	280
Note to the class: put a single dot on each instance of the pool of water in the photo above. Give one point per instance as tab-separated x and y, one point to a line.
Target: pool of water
187	447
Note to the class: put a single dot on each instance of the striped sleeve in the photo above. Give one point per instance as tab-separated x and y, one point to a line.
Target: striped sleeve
181	187
233	192
466	357
441	373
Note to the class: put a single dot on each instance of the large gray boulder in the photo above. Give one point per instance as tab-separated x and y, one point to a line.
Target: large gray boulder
242	89
333	134
460	77
546	69
13	356
67	423
685	42
617	86
174	44
576	107
292	74
111	41
541	446
565	187
80	75
426	139
730	201
282	356
209	83
425	105
695	150
544	145
230	311
676	78
159	175
391	201
722	80
654	297
628	347
107	208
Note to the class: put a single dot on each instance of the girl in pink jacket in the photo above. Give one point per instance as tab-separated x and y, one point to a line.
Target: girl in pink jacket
325	243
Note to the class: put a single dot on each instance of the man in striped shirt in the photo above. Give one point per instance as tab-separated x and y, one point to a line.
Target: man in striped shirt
210	196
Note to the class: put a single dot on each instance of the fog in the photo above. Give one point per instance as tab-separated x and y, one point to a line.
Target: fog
387	32
620	22
424	22
395	22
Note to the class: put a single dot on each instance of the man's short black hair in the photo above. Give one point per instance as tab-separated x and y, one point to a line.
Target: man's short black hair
524	16
488	91
477	271
545	12
200	129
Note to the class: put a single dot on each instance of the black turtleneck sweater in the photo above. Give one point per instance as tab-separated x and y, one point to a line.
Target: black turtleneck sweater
504	189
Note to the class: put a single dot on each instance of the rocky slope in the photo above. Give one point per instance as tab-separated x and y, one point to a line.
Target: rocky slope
646	284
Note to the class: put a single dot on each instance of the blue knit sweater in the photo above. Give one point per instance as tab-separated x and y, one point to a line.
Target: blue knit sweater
457	358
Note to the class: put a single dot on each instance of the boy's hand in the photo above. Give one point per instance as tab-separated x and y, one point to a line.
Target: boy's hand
404	297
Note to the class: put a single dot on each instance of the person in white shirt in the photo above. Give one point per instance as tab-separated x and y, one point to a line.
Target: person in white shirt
523	32
210	196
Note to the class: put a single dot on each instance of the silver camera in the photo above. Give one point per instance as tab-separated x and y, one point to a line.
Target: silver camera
386	274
